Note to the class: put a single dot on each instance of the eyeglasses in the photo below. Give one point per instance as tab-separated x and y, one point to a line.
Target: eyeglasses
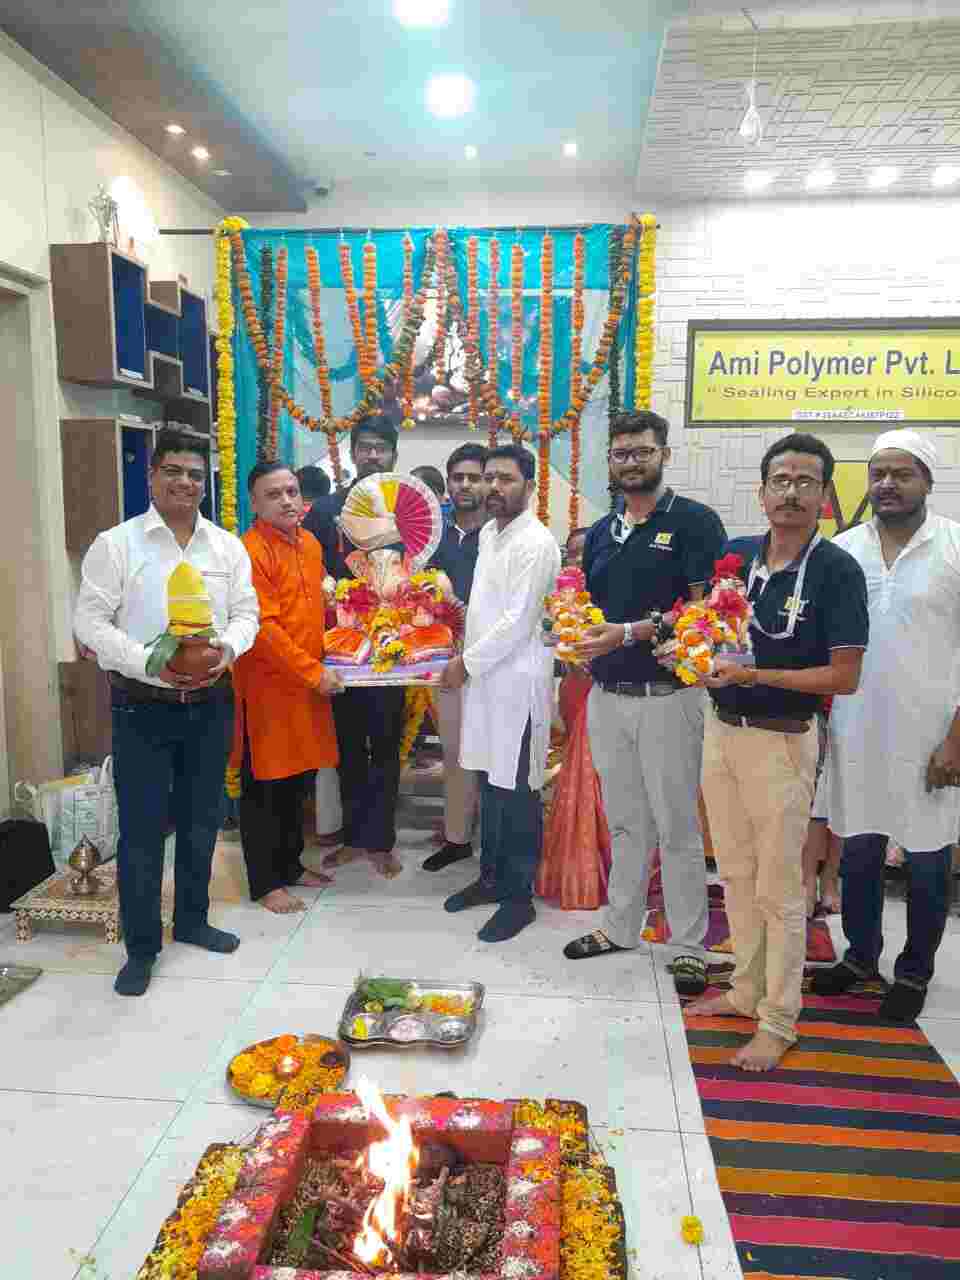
642	454
193	474
373	450
802	484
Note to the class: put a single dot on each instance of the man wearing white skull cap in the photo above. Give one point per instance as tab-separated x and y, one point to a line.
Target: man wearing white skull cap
894	769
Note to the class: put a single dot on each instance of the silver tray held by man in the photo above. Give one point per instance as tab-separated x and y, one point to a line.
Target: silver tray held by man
404	1012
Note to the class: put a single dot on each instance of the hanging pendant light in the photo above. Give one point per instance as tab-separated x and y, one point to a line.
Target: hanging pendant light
751	126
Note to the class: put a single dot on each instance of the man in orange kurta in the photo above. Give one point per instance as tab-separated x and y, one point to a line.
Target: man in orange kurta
284	725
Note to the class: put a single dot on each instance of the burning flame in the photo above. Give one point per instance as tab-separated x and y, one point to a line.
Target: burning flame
394	1161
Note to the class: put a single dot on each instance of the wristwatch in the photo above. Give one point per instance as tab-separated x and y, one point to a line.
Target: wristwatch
628	636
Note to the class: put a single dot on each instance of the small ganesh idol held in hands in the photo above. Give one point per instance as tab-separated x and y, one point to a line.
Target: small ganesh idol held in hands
569	611
706	629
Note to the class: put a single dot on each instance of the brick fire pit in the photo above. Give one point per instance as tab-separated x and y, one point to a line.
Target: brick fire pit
480	1131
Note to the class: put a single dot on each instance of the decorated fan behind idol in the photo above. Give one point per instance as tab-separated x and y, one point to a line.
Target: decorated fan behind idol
397	623
389	508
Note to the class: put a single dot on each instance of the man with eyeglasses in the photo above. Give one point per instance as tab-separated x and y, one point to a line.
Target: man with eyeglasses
369	721
171	733
760	746
645	727
894	771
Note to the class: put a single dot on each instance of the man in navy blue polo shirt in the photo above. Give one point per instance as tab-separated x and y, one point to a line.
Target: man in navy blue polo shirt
457	557
809	633
646	728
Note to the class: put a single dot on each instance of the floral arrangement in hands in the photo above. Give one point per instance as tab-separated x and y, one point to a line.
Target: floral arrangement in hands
568	612
705	629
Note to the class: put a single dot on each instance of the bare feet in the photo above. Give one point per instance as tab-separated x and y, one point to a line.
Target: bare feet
762	1053
340	857
315	880
713	1007
282	903
388	864
830	894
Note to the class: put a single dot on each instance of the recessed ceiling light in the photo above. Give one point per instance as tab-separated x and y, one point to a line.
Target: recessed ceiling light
570	150
820	178
175	129
755	180
470	152
222	173
885	176
200	153
945	175
450	95
422	13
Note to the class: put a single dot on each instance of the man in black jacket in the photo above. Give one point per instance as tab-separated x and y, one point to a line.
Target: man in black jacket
369	721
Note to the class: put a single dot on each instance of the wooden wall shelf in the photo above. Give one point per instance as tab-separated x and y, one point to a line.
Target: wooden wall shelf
117	328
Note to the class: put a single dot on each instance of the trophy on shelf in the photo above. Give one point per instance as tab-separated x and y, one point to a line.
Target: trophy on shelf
105	209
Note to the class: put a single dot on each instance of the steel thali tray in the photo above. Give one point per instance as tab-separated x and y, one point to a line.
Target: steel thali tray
405	1028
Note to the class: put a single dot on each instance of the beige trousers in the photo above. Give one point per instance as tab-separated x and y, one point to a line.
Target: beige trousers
460	788
758	788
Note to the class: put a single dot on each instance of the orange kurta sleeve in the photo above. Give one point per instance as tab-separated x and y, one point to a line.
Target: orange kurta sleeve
274	642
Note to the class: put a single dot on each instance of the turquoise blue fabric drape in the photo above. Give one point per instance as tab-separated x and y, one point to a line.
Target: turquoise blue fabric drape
300	366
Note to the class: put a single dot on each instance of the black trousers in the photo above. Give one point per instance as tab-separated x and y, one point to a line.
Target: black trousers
369	731
271	828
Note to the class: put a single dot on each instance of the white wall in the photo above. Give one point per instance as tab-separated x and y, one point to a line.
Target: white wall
378	205
807	259
57	148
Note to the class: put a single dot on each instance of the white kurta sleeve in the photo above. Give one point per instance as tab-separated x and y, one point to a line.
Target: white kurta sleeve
243	607
532	569
94	620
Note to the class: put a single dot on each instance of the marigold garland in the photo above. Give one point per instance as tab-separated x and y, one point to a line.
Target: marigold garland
440	347
646	288
577	318
416	705
263	381
183	1237
516	337
370	304
617	258
493	336
407	391
320	356
226	388
373	394
279	350
473	326
545	378
353	311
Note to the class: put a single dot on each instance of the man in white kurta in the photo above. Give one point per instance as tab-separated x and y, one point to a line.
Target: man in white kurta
894	766
507	676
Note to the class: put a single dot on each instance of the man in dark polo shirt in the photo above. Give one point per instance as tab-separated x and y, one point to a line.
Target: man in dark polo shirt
809	632
369	721
457	557
646	729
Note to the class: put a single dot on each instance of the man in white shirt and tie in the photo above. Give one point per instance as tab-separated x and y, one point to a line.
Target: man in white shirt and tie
171	733
894	766
507	675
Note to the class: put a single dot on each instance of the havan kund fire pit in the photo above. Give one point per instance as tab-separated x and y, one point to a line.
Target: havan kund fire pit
404	1187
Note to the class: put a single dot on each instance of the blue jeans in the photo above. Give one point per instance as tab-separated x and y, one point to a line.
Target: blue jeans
511	833
159	747
928	903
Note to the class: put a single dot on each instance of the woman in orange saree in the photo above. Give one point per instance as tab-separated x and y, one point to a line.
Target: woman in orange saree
575	864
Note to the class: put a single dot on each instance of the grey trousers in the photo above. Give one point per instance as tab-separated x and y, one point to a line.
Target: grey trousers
461	787
648	753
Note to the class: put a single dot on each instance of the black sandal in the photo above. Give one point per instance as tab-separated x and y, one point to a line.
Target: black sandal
590	945
689	975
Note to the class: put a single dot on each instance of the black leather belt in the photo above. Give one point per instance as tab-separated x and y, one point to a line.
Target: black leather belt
124	691
763	722
653	689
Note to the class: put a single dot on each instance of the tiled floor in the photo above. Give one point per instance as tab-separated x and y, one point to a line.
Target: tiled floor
107	1104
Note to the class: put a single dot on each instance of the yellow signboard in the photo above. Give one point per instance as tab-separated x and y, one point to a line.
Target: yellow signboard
807	373
846	503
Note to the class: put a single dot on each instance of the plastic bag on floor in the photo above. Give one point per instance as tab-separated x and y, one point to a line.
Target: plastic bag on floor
71	808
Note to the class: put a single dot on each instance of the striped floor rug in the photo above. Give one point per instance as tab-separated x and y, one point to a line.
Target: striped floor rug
844	1163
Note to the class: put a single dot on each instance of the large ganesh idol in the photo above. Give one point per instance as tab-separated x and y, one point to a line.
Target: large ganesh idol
396	622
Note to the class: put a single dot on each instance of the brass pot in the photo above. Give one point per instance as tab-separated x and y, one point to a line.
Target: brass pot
84	860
